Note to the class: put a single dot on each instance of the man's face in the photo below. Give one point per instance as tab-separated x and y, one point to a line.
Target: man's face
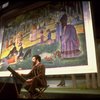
34	60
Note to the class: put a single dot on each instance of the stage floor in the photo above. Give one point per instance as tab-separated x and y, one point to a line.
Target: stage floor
54	91
64	92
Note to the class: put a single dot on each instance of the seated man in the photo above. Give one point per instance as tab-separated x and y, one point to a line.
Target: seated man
36	77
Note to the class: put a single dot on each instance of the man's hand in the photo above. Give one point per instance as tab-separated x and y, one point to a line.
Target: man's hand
19	73
29	81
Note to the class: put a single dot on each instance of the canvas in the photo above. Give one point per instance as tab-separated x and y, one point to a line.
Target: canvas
60	32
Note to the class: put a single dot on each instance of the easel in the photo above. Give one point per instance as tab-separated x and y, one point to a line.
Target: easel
4	88
4	84
15	84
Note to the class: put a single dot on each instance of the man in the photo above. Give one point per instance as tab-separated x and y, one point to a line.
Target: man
36	77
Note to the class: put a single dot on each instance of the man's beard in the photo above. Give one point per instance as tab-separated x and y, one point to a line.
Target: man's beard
34	63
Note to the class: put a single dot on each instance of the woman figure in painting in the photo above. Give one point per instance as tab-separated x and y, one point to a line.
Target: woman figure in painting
58	31
20	52
19	38
49	39
12	51
41	36
69	40
33	33
7	43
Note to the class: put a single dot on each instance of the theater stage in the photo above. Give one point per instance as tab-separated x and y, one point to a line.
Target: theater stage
65	92
52	92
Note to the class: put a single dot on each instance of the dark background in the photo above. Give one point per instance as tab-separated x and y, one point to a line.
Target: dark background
95	7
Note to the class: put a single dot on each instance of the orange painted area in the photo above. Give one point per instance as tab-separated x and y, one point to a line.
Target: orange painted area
11	60
79	28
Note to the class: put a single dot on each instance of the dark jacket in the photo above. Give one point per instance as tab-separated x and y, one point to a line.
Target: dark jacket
37	72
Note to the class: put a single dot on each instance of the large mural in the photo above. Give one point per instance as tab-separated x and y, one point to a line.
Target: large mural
55	31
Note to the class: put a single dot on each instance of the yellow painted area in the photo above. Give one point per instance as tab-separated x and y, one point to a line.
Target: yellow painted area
79	28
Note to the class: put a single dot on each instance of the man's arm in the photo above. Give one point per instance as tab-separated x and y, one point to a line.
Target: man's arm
41	71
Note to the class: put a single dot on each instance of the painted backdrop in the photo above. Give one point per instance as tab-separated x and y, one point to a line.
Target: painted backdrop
54	31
